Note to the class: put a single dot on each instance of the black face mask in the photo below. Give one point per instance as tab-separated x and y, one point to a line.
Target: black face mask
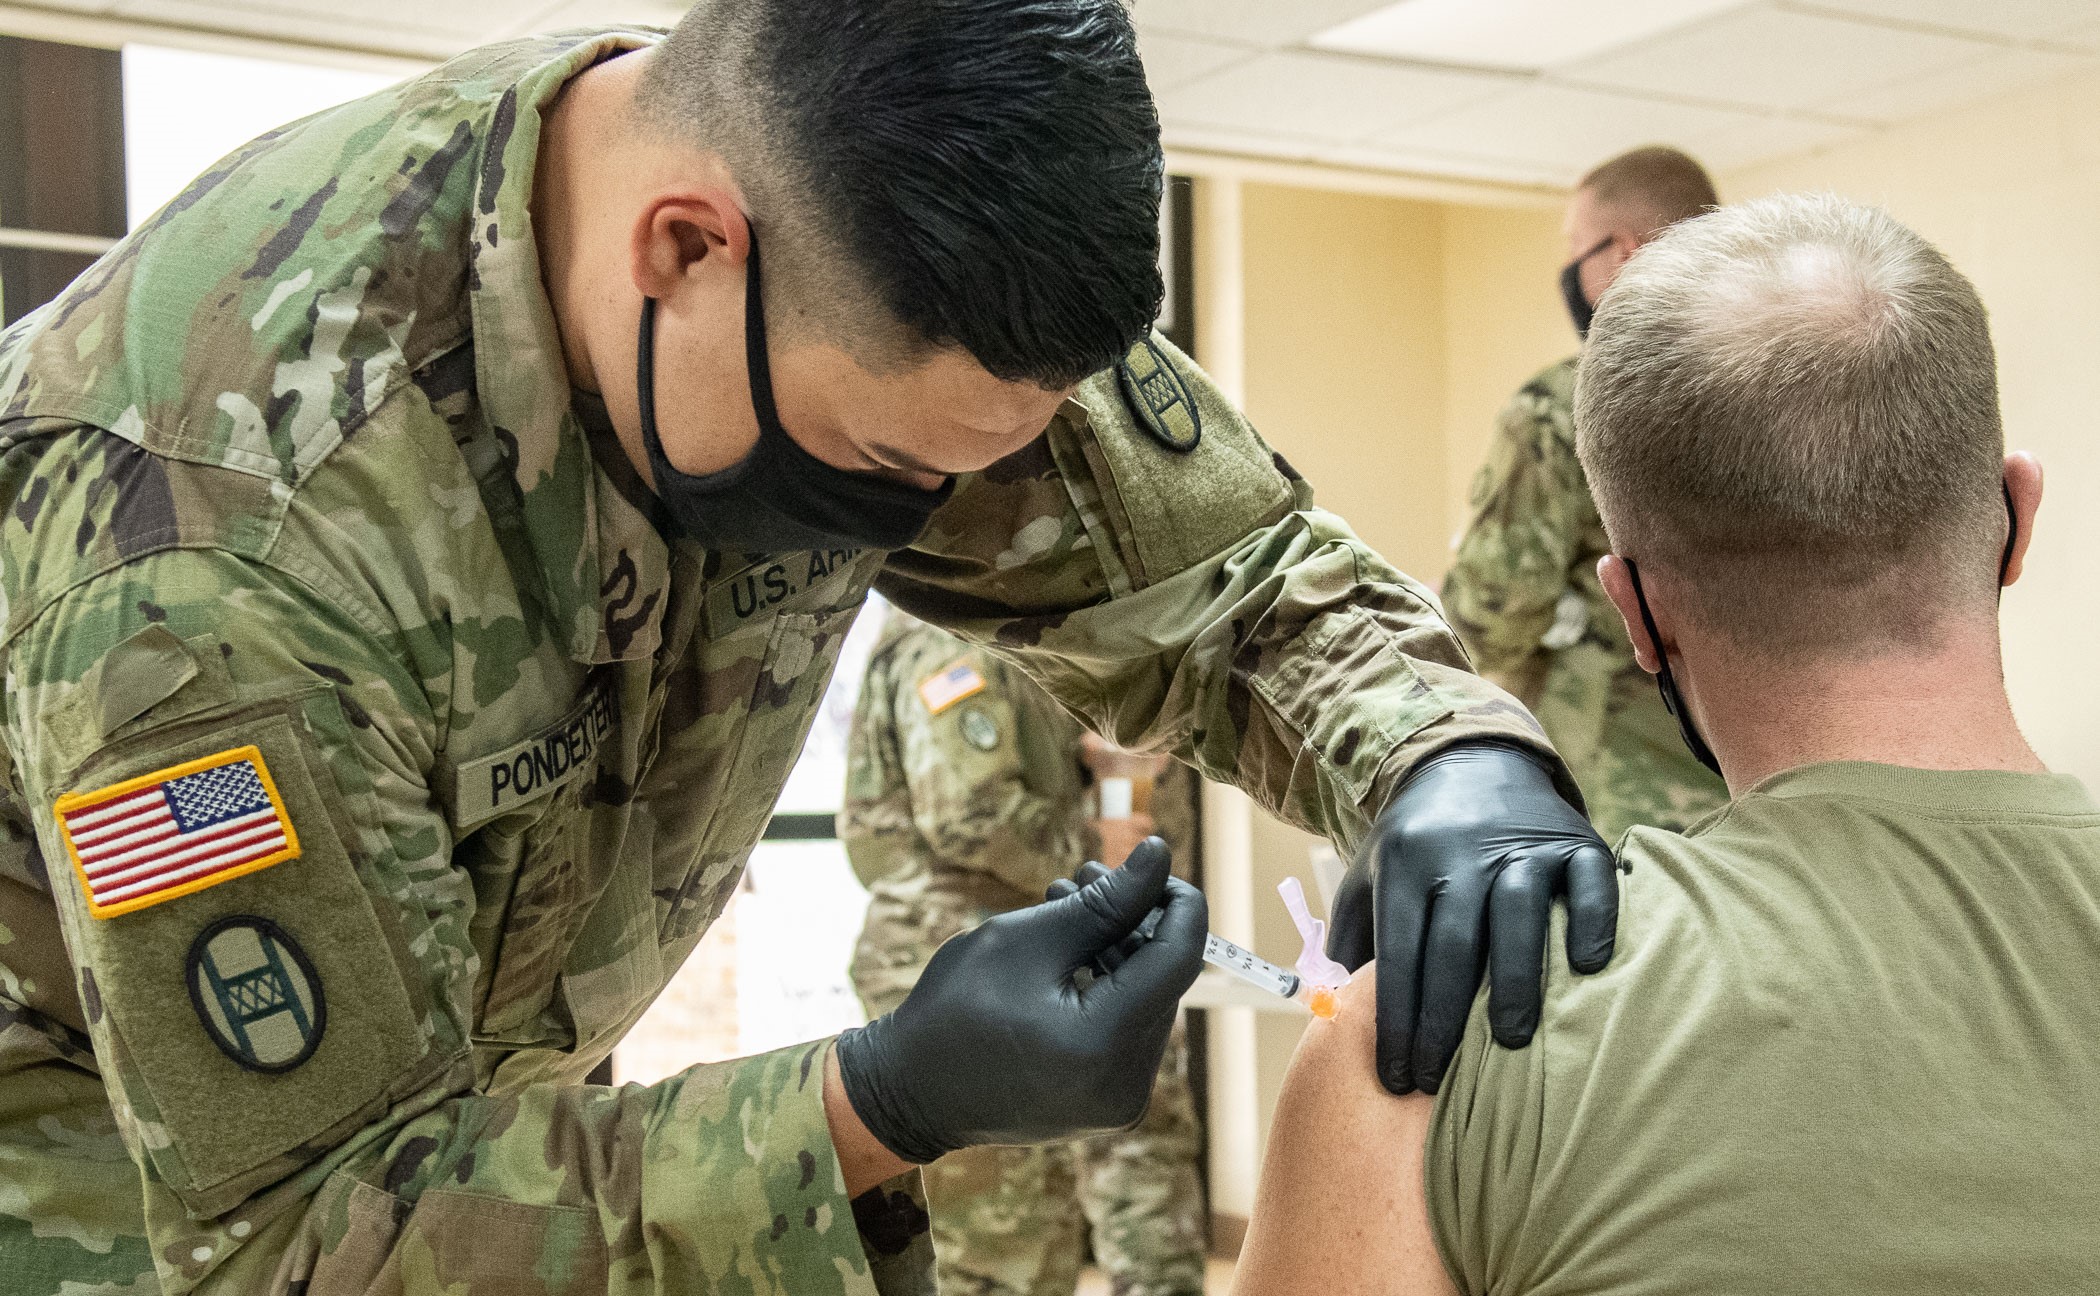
1666	683
780	497
1579	308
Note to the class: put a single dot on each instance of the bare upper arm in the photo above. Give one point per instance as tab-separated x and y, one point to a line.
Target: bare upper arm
1341	1207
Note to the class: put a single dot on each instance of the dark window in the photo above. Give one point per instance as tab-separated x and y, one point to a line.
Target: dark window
61	165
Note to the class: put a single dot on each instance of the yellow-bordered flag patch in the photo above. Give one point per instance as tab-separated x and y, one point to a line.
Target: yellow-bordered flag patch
945	688
176	831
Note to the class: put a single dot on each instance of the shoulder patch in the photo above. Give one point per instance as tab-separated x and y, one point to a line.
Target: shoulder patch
256	993
175	831
945	688
1160	397
978	729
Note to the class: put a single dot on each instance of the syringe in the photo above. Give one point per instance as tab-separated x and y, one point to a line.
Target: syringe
1242	963
1249	967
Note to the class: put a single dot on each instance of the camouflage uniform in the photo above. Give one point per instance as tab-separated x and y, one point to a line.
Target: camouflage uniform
1524	596
295	487
964	799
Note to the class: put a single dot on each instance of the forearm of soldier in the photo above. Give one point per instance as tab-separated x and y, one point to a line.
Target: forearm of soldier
863	1160
647	1190
1300	667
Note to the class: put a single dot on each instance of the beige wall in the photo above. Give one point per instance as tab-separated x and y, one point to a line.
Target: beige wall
2011	190
1503	322
1345	356
1381	336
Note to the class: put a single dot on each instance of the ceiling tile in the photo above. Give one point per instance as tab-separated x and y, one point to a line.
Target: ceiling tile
1997	74
1366	156
1257	22
1322	95
1767	139
1774	59
1172	61
2018	19
1562	126
1428	162
1526	35
2086	36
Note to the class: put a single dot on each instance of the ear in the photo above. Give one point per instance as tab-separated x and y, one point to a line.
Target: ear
1607	264
2023	482
1618	587
680	229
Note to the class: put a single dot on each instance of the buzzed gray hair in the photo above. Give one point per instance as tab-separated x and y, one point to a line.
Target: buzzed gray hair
1792	405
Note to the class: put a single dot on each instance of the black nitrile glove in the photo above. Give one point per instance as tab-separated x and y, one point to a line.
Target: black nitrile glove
999	1043
1461	870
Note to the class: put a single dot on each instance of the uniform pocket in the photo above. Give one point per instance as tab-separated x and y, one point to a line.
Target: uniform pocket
750	745
456	1241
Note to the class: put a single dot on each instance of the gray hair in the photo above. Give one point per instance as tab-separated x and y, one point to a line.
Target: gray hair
1792	404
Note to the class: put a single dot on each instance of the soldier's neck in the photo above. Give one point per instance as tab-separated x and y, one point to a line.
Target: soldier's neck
591	164
1939	707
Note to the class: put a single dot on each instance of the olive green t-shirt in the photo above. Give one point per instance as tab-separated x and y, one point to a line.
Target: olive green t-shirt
1850	1042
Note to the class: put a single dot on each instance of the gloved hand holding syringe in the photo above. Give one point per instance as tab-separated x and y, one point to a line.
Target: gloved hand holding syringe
1315	981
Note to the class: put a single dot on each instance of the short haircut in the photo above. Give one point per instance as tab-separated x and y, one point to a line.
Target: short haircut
984	173
1792	405
1652	187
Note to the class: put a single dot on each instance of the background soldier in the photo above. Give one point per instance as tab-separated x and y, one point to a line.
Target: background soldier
965	797
1523	591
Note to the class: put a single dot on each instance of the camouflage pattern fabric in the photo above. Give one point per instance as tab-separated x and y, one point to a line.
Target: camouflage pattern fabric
1524	596
965	798
1015	1221
294	476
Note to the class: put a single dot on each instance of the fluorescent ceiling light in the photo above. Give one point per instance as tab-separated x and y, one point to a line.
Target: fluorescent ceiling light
1521	35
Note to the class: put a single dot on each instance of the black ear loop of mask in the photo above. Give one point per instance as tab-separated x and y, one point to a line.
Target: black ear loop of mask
779	497
2012	533
1581	310
1666	683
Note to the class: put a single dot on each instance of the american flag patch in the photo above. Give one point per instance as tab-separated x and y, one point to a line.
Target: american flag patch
939	692
176	831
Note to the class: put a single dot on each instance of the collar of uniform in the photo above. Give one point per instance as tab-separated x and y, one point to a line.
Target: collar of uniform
601	564
1955	791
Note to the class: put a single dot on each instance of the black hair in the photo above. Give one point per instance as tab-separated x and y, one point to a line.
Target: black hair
987	171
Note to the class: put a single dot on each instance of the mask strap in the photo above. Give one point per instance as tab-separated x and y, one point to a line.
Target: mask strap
1602	244
756	359
1665	682
2012	535
645	372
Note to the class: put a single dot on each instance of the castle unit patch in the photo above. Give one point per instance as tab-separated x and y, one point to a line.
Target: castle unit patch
256	994
978	729
1160	398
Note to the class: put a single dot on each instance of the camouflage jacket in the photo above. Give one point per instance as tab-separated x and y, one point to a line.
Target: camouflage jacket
965	797
303	530
1524	595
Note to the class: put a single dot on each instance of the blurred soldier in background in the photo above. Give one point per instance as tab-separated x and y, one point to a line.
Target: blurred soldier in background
1523	591
966	796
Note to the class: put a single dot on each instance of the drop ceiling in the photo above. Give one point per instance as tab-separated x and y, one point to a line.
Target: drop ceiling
1526	92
